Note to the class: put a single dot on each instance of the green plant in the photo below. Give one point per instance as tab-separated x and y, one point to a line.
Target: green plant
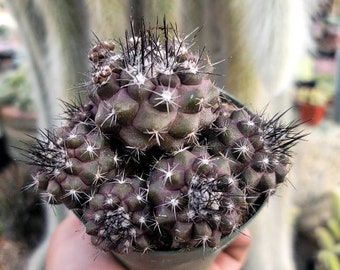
314	96
318	92
158	157
328	237
15	89
326	82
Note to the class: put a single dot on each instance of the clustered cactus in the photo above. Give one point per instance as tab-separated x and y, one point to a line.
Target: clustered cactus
328	237
158	157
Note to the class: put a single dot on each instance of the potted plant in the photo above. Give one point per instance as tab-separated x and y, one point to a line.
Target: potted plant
17	116
312	101
162	167
17	207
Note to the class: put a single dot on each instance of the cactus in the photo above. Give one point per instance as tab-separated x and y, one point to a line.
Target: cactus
151	93
328	236
158	157
313	96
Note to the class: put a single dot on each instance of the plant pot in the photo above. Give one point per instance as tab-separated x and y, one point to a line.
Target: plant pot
200	258
311	114
307	84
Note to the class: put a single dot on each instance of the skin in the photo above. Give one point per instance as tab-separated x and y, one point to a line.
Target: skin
71	231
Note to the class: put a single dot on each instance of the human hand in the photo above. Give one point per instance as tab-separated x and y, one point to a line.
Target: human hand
69	250
234	256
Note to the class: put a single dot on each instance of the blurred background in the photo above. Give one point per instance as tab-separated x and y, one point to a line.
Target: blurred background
277	55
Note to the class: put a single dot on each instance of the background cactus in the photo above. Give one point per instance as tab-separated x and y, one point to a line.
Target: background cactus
158	157
328	237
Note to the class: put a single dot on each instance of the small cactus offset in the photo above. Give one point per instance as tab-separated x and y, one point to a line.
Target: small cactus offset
158	157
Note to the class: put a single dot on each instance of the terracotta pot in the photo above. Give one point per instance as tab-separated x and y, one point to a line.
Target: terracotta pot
311	114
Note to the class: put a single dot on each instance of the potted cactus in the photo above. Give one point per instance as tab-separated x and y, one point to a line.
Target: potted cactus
313	91
163	168
312	103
